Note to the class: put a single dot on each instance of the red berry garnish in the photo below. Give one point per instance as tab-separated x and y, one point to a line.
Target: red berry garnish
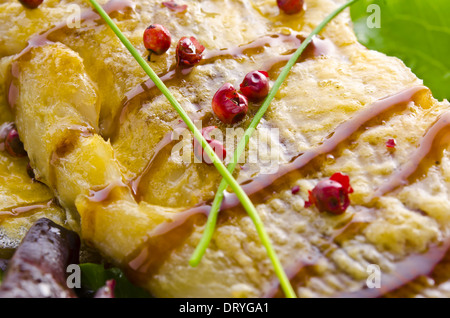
290	6
173	6
331	195
295	189
157	39
344	180
13	145
216	145
255	85
228	105
106	291
391	143
32	4
189	51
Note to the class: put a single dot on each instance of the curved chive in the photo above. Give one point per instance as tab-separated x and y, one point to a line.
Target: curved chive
212	218
227	176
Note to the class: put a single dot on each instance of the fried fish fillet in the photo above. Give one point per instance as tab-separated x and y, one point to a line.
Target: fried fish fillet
96	132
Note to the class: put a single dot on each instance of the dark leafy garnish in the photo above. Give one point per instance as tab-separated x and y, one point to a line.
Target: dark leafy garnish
95	276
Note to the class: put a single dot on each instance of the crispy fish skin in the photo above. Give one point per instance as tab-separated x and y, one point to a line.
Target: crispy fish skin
81	166
75	161
23	200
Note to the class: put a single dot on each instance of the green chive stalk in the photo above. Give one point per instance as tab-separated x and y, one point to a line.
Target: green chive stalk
215	207
226	174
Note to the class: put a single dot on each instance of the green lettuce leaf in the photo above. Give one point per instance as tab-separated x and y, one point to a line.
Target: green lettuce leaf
416	31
